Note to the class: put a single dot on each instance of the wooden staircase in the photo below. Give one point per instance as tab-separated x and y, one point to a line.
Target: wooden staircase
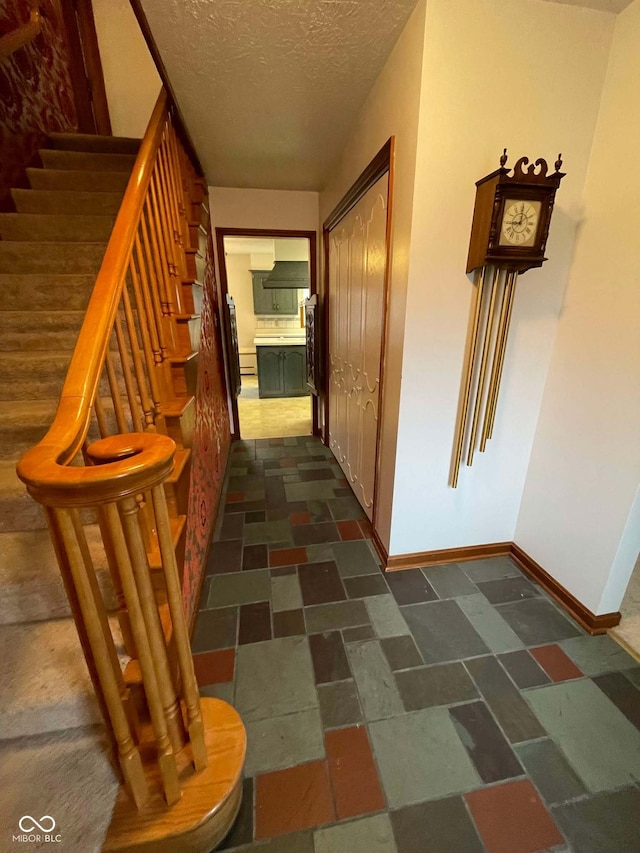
144	366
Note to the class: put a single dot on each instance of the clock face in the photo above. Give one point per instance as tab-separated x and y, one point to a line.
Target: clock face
519	222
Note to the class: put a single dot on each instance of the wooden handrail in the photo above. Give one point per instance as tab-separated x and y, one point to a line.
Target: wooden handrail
46	466
13	41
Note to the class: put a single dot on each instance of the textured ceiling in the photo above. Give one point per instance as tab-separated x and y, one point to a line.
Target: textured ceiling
269	88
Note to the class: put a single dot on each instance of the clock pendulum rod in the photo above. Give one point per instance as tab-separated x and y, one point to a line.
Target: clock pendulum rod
468	375
498	358
484	361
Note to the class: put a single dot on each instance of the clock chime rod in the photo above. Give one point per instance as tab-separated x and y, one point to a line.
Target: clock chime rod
504	325
468	374
508	237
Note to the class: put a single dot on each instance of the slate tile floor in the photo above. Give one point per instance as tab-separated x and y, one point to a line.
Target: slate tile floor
452	709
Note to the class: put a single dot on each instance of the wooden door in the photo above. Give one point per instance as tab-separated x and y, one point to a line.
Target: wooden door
357	270
234	352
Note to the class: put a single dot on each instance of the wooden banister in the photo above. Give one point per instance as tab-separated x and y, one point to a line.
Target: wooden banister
16	39
119	381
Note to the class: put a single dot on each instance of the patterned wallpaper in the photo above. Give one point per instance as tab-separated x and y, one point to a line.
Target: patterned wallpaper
35	90
211	442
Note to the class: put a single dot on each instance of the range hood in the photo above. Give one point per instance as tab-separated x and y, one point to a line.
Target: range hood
288	274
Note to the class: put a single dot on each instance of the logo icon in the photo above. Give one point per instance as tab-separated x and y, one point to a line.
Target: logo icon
45	824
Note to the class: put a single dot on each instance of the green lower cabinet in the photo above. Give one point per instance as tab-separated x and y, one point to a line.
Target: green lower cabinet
282	371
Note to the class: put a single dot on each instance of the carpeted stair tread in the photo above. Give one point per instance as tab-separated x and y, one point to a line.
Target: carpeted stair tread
65	774
72	179
50	257
23	424
67	202
89	161
32	588
32	375
44	681
18	511
94	142
40	330
42	291
43	227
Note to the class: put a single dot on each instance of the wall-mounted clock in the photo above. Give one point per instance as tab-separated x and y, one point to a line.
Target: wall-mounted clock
509	233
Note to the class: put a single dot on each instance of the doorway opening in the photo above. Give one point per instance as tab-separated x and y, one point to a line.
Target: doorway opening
266	277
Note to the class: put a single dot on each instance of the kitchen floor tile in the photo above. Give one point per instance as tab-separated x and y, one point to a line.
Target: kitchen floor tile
255	623
267	531
315	534
355	635
602	746
492	756
215	629
512	817
490	569
340	614
378	692
401	652
523	669
425	687
363	586
536	621
287	556
506	702
440	766
285	592
345	508
349	530
366	835
329	657
410	587
449	581
354	778
550	771
320	583
489	624
604	823
386	617
443	826
288	623
622	693
293	799
320	490
240	588
508	589
555	663
442	631
254	557
274	678
214	667
595	655
279	742
339	704
225	557
354	558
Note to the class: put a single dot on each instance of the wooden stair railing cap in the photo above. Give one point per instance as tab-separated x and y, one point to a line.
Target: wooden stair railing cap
45	468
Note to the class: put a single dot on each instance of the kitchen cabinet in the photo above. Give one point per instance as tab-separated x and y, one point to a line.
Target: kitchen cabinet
282	371
270	300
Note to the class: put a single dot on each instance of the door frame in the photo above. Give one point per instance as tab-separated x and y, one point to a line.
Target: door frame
221	233
381	164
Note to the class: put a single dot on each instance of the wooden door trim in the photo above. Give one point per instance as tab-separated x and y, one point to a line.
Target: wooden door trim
381	164
221	233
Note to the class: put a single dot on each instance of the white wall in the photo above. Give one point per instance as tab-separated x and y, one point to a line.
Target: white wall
271	209
527	75
241	288
390	110
580	515
130	76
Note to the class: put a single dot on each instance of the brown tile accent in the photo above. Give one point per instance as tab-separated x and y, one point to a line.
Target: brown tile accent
349	530
354	778
235	497
512	817
214	667
287	557
320	583
329	658
288	623
365	526
255	623
288	462
297	518
557	665
254	557
225	557
293	799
